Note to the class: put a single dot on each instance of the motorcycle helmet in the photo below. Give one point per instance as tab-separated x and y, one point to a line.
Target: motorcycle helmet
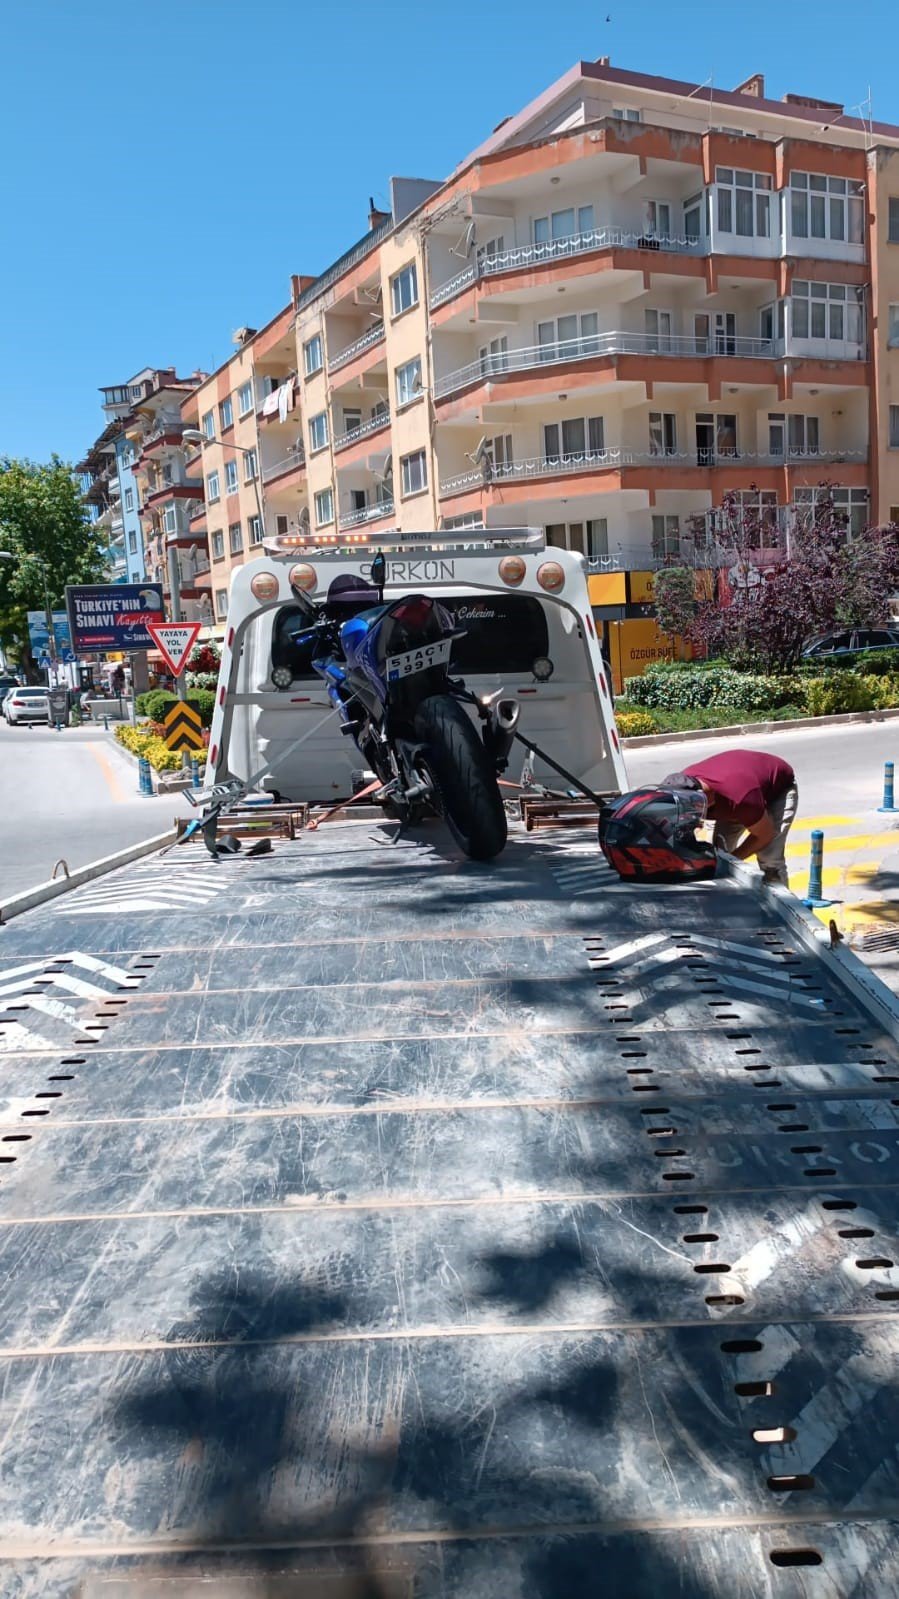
649	836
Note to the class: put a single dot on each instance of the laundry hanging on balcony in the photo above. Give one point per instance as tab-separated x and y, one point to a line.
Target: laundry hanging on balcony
285	399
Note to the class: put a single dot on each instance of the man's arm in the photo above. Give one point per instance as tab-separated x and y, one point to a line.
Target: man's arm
757	837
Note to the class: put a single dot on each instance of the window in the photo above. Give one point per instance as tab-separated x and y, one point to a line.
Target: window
313	359
494	357
255	529
662	433
221	603
803	435
665	536
208	425
230	477
491	248
826	311
563	224
281	525
235	538
213	491
408	382
893	327
250	466
132	543
404	289
324	507
693	216
657	220
850	505
226	413
129	498
627	114
894	427
217	545
744	203
318	431
414	472
127	455
567	337
658	330
590	539
352	419
135	391
826	208
170	520
245	399
498	457
467	520
576	439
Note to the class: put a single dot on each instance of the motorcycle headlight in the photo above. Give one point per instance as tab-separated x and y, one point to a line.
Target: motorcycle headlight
282	677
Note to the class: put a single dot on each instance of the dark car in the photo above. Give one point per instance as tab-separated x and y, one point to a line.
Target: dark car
852	642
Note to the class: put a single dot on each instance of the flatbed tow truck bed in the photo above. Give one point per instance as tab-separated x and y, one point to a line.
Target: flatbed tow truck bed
377	1225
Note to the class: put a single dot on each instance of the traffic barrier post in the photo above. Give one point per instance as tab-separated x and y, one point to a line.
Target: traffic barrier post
145	785
888	788
815	894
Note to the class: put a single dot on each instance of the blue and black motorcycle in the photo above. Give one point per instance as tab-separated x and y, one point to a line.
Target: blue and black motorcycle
387	669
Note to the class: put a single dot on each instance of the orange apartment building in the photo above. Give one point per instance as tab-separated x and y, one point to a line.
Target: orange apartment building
166	472
635	296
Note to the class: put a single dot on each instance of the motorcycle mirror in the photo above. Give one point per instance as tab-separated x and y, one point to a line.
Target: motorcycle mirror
379	571
303	602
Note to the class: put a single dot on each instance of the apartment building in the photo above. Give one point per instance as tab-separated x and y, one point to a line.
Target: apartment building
635	296
169	484
246	417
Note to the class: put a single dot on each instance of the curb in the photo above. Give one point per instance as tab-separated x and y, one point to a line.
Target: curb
85	874
740	729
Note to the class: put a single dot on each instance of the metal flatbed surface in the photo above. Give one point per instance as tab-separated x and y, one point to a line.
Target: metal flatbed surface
375	1225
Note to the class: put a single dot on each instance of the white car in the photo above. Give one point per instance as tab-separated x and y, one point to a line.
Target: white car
27	705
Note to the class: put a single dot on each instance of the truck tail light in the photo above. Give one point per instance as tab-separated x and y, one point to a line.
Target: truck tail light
551	576
512	570
264	587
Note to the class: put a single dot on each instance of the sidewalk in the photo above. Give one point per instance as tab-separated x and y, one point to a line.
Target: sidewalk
861	877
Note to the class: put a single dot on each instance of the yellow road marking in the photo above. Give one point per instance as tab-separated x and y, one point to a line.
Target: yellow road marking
809	822
109	773
889	839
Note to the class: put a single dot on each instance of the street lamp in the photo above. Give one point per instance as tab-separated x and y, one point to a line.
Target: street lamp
7	555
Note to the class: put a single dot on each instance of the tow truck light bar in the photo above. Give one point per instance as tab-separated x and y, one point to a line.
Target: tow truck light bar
512	538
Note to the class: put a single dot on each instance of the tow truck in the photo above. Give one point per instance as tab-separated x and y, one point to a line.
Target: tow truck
381	1225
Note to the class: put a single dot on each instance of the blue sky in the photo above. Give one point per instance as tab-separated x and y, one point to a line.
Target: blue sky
168	164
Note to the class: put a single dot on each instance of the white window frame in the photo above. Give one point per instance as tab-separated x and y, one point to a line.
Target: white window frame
319	432
324	507
404	289
250	466
129	499
254	529
213	488
245	399
664	424
208	425
743	197
226	409
627	114
581	341
170	519
665	535
414	466
221	604
313	356
839	203
232	483
235	545
853	503
834	303
568	451
217	545
132	542
555	226
405	378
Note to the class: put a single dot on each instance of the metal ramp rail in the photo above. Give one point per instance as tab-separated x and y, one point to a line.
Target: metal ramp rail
377	1224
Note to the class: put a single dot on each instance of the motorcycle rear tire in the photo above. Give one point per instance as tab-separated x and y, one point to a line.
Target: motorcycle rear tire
461	768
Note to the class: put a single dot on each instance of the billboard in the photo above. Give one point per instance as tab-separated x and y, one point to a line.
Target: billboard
113	616
39	633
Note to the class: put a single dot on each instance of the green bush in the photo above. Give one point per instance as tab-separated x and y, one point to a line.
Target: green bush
635	724
687	688
158	700
836	694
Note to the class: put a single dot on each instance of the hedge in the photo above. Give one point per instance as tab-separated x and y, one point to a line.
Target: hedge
155	704
142	742
714	698
687	688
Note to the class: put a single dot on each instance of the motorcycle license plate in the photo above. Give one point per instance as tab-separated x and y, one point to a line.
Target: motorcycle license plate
412	661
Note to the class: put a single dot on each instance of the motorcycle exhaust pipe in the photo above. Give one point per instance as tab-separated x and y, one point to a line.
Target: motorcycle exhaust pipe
500	730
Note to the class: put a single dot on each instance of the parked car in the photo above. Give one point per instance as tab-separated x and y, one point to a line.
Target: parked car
27	705
5	694
851	642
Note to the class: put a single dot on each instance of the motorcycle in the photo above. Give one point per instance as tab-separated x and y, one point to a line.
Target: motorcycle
386	667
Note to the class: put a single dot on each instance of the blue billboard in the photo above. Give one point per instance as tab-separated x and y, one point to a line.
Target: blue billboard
39	633
113	616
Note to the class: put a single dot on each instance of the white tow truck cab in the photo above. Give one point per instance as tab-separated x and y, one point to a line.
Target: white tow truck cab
529	631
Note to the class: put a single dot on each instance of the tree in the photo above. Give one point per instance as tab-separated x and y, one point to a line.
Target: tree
44	525
772	595
674	599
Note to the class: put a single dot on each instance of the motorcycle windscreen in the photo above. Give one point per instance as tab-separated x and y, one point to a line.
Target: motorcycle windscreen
410	624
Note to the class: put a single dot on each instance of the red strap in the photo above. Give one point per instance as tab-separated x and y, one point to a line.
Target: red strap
316	821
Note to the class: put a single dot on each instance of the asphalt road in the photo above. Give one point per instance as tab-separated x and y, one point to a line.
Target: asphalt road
72	795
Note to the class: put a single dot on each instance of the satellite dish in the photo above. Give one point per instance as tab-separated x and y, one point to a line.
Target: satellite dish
304	519
464	245
385	474
477	456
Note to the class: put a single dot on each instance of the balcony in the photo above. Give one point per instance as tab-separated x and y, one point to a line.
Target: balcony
358	347
342	441
284	468
617	459
369	513
596	346
528	256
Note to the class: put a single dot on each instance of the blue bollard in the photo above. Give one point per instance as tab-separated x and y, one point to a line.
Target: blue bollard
195	775
815	895
888	804
145	775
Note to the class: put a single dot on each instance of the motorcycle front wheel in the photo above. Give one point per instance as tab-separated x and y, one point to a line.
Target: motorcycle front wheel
464	775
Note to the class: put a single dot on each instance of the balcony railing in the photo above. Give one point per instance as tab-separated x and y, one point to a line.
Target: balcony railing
616	458
358	347
597	345
369	513
281	468
373	425
574	244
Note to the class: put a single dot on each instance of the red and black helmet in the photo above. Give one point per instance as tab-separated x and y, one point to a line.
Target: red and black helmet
649	836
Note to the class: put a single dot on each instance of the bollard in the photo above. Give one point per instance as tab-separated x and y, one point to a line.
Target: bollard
888	804
195	775
105	722
146	776
815	894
